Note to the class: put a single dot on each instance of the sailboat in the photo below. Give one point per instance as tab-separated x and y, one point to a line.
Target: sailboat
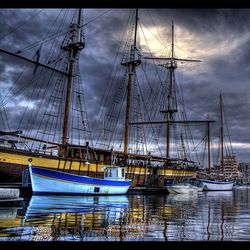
58	137
223	183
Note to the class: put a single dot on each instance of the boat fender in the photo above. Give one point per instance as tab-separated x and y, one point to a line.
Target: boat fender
30	159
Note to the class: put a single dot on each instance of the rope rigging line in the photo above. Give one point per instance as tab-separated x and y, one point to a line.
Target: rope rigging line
156	138
54	110
19	91
60	28
161	42
43	95
113	127
151	54
22	24
113	113
113	105
230	147
4	118
154	93
139	132
94	19
177	98
36	95
51	37
57	120
108	89
83	114
154	24
46	37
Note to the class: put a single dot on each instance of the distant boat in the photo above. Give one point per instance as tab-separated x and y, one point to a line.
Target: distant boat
224	183
46	181
183	188
217	185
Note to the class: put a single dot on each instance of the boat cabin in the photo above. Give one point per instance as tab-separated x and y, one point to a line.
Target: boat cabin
114	173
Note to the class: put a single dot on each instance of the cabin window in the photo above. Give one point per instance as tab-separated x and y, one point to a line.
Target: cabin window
123	172
107	172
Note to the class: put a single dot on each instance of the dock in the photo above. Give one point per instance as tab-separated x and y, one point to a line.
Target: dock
10	197
24	191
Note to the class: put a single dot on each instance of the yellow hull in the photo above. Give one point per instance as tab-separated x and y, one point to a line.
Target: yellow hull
48	162
12	163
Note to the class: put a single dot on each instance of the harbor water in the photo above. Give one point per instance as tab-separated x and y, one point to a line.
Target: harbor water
204	216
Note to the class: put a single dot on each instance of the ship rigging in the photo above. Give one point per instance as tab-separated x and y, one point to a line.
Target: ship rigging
57	133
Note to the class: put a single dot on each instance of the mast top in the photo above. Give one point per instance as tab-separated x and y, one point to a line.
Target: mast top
172	59
75	38
172	40
135	56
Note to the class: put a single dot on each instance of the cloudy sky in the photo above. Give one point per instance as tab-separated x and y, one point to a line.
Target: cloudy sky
220	38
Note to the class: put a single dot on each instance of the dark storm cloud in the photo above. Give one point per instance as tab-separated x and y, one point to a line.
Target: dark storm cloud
205	20
228	67
102	44
218	37
22	33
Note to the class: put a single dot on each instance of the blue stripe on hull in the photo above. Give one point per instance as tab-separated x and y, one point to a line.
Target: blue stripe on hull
46	173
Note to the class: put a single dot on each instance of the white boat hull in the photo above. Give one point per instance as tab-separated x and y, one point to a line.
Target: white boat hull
46	181
211	185
182	189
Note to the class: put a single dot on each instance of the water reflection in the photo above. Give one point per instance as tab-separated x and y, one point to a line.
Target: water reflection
74	218
8	213
204	216
218	217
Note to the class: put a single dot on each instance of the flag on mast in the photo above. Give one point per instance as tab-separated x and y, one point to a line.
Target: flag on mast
36	57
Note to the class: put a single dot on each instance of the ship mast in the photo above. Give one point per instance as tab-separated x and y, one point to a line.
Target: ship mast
171	65
221	135
208	148
170	111
74	45
131	64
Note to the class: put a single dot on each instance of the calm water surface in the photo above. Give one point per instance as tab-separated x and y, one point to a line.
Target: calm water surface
206	216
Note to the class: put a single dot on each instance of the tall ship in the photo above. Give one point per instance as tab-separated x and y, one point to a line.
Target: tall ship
141	119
